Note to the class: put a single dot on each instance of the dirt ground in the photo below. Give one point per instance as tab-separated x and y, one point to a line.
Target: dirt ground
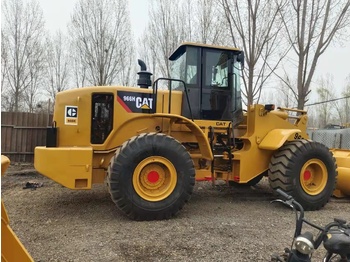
218	224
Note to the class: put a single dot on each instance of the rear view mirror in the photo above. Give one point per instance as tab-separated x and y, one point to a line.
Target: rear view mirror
240	58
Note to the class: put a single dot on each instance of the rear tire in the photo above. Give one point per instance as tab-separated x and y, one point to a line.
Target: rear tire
151	177
305	170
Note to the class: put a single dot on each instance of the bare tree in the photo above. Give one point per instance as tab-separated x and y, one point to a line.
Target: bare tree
79	70
4	60
6	101
346	102
325	94
57	65
146	53
254	27
174	22
36	76
313	118
165	31
127	61
100	31
286	94
169	24
22	34
209	24
311	26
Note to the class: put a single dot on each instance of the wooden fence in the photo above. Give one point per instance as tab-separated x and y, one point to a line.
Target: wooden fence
21	133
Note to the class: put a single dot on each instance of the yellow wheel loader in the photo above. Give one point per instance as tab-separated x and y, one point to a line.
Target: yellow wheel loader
150	144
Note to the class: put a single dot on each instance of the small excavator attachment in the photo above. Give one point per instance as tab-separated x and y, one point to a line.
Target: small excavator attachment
343	182
12	250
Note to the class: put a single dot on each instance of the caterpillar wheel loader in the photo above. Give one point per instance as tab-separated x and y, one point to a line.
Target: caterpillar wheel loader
150	144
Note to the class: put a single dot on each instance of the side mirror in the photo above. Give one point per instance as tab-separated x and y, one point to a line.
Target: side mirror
240	58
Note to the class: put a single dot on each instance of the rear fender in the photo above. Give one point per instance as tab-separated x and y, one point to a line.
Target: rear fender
147	123
276	138
203	142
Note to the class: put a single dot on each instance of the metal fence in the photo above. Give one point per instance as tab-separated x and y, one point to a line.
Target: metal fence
332	138
21	133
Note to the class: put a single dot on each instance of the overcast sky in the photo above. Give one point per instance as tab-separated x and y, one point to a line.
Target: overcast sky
57	14
335	60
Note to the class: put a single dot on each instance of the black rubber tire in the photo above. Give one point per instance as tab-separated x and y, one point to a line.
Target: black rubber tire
286	165
126	159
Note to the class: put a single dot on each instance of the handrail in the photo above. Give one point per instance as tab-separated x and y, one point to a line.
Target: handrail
293	110
155	92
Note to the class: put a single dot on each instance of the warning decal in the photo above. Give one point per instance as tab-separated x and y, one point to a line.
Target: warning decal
135	102
71	115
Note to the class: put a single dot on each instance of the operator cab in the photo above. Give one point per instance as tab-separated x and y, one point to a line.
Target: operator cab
212	77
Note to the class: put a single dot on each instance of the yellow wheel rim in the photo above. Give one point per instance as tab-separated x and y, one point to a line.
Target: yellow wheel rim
154	178
313	176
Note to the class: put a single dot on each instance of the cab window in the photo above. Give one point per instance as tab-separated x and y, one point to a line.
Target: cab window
216	66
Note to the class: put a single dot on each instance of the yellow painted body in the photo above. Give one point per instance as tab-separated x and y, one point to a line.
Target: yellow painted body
343	162
263	133
77	164
12	250
276	138
71	167
77	160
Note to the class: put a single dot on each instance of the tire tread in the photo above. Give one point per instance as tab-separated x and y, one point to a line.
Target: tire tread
283	176
120	159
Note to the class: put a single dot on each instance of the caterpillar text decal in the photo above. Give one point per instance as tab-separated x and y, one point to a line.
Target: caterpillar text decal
134	102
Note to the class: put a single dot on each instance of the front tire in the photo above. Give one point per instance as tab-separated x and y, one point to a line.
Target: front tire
151	177
305	170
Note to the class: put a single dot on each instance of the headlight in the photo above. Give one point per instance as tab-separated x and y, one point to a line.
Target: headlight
304	243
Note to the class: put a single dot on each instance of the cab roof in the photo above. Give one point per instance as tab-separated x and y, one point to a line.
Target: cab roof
182	47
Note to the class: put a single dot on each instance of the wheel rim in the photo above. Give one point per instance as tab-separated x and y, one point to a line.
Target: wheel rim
154	178
313	176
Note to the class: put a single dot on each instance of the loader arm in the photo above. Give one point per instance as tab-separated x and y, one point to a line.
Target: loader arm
11	247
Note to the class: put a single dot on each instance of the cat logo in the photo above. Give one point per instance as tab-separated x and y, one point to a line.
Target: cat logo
220	124
71	115
136	102
144	103
71	112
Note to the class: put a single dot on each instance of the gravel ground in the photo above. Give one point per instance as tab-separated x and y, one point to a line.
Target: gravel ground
218	224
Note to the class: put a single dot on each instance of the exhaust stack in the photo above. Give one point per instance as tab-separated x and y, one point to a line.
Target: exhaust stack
144	80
